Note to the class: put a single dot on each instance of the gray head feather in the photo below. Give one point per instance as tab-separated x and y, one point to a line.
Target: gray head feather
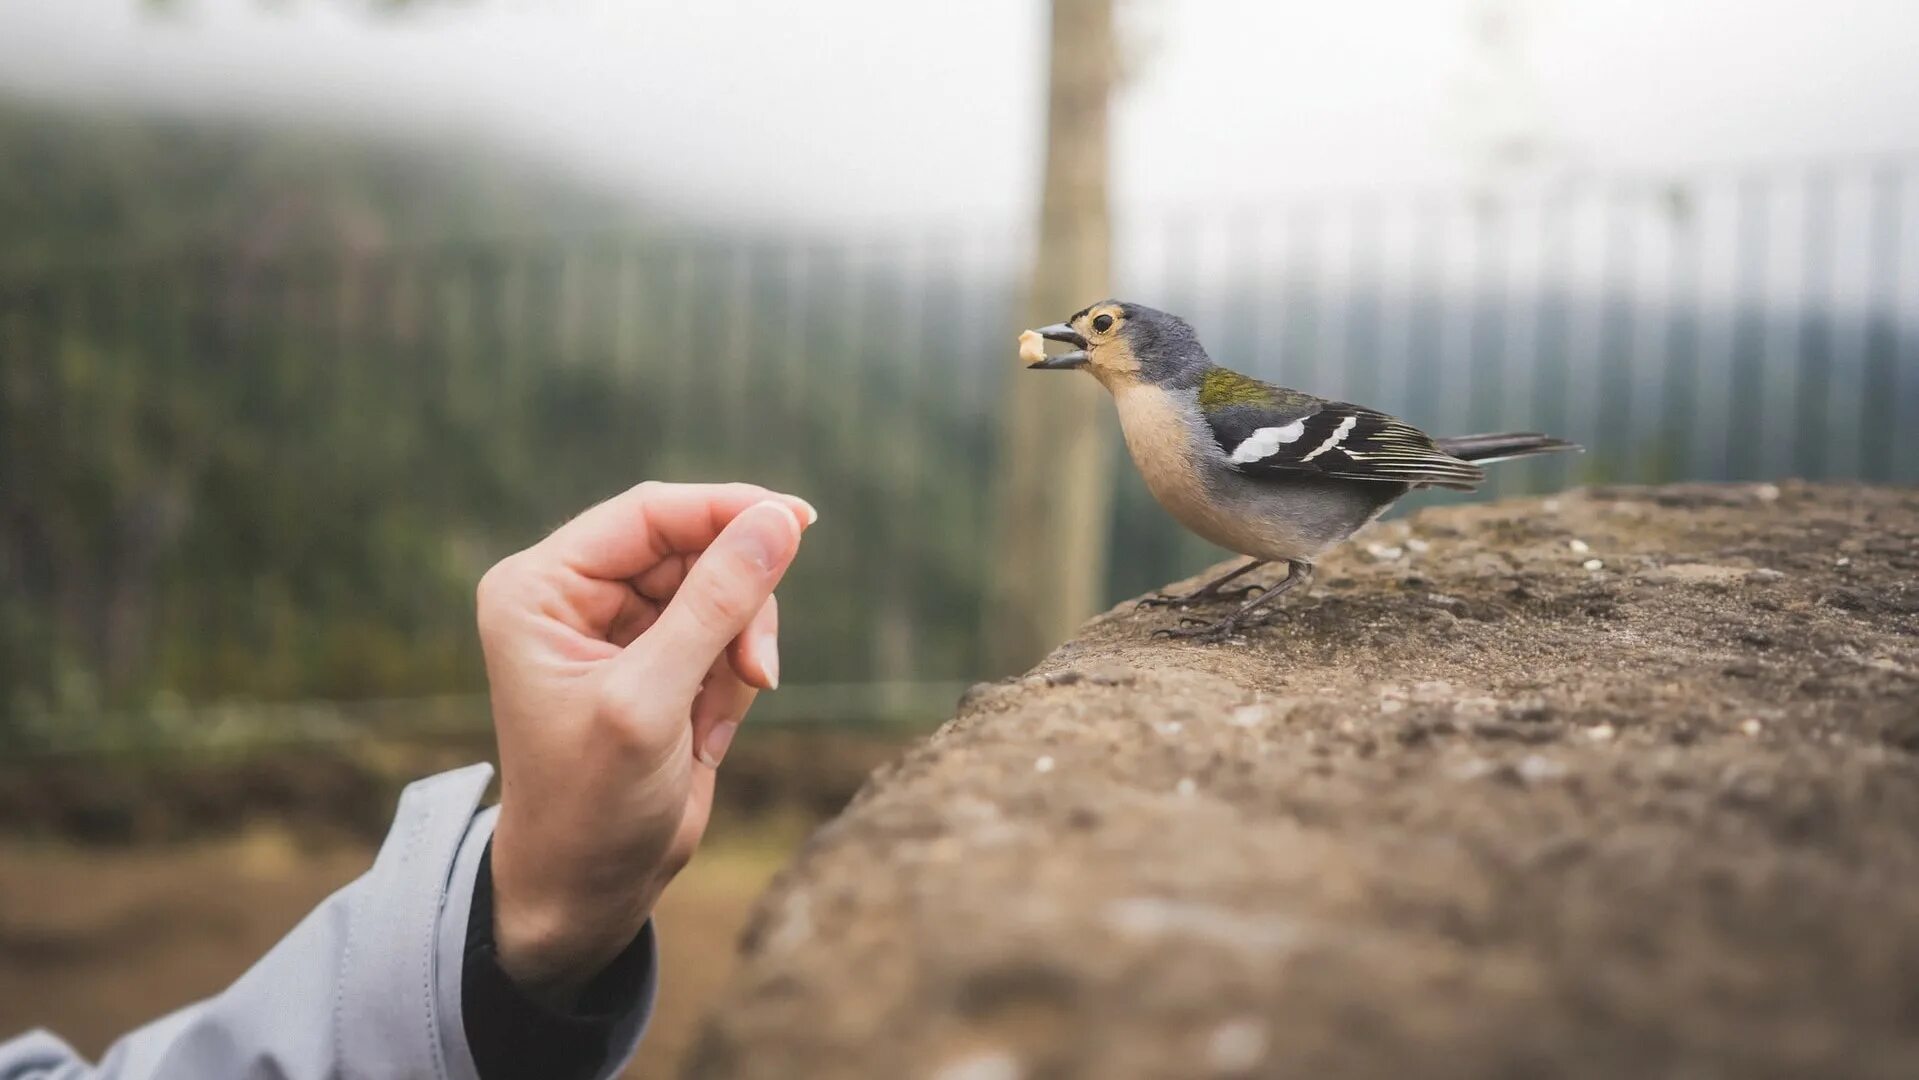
1168	350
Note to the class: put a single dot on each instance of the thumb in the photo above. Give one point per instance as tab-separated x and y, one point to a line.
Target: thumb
722	593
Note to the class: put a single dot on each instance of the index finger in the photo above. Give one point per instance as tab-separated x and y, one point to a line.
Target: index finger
625	535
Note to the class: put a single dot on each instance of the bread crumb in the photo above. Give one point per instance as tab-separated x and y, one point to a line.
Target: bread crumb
1032	347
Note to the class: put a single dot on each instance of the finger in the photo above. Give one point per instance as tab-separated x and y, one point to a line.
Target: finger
625	535
721	595
661	580
637	614
755	654
717	713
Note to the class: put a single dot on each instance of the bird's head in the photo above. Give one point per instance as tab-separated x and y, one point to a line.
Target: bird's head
1121	343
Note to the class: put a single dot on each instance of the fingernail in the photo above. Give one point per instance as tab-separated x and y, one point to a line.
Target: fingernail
811	515
717	741
768	646
764	542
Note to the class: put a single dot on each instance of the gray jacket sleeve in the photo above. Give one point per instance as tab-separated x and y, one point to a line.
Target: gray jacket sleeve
368	985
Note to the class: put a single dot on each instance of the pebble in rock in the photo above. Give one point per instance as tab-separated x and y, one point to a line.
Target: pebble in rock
1236	1046
990	1065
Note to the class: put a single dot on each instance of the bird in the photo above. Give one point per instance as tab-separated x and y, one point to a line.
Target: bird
1275	474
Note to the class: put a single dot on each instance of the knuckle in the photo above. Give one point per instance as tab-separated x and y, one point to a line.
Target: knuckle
617	713
676	860
500	581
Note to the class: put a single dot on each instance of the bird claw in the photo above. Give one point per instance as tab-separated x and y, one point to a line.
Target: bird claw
1159	600
1209	631
1201	596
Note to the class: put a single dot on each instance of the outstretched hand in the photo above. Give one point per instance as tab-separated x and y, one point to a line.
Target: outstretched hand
622	653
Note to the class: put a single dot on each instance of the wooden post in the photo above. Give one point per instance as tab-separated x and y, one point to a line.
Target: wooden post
1054	483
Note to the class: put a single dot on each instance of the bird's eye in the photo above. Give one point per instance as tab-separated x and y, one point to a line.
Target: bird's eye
1102	324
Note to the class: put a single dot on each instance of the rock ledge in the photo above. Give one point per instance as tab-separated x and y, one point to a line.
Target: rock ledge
1616	783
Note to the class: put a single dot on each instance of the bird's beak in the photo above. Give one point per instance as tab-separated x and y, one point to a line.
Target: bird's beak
1066	360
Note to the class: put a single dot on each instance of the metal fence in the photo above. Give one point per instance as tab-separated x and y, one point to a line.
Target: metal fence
275	477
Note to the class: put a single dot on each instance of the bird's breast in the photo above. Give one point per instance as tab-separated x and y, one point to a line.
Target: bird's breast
1163	437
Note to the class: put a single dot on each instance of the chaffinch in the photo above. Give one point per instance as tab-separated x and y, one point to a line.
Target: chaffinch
1275	474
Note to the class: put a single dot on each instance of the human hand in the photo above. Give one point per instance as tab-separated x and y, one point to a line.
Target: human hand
621	653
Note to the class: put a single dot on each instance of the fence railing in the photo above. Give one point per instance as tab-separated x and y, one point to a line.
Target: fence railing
276	477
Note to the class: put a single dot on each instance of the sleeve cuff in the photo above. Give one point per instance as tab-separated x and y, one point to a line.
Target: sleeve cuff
512	1036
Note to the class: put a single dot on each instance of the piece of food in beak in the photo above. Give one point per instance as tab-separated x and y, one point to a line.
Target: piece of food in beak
1032	347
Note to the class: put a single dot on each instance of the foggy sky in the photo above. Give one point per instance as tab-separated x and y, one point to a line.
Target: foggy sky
885	110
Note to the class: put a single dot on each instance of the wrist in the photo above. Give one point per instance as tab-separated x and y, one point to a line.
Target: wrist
552	946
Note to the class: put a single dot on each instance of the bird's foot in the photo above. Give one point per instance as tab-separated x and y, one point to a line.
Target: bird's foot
1211	631
1197	596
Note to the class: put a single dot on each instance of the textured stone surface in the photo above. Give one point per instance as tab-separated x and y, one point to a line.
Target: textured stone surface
1624	782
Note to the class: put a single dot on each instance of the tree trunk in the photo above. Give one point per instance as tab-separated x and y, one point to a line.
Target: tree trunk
1055	463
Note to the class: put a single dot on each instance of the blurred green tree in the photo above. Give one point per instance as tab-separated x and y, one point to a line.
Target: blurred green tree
264	420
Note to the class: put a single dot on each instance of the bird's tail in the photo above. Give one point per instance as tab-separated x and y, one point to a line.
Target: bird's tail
1484	449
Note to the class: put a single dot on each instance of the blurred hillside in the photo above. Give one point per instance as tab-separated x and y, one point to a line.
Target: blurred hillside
208	413
135	459
90	185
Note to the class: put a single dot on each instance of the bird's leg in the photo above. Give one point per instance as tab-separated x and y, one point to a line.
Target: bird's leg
1210	591
1298	572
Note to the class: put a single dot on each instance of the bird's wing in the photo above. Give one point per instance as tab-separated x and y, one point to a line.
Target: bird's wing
1266	430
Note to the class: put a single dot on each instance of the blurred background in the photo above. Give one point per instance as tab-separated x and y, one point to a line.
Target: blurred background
311	309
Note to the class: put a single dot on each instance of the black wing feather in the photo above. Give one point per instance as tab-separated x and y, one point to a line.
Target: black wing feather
1333	438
